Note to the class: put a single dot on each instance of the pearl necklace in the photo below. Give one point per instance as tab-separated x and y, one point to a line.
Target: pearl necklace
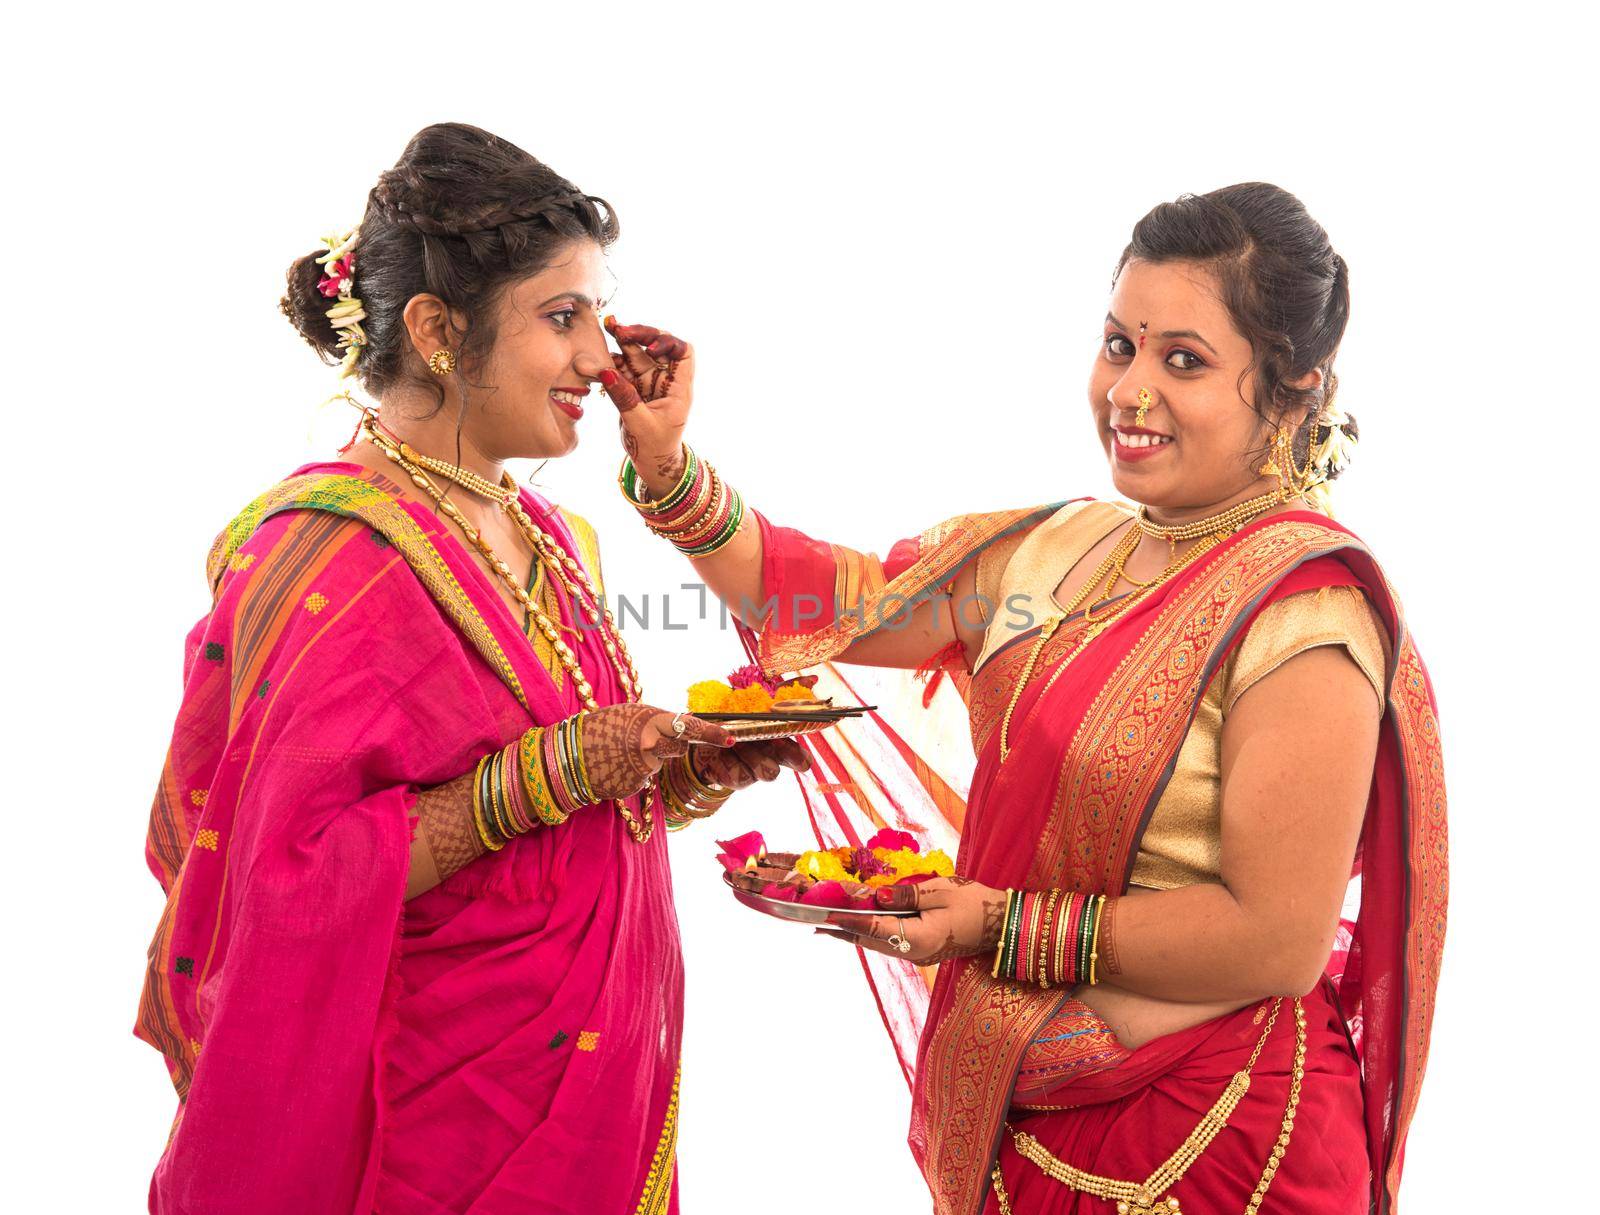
560	563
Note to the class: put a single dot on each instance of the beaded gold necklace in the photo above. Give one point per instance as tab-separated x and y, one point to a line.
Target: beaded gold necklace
555	559
1210	532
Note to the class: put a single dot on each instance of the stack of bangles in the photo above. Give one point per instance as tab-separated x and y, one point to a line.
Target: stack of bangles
685	796
699	514
1050	938
538	780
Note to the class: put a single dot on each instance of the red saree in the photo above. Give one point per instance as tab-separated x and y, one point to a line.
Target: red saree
1091	757
507	1041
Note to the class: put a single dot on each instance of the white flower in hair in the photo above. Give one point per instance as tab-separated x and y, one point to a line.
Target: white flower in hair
338	284
1334	453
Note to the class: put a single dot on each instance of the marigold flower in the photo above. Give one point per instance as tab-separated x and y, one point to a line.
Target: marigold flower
824	866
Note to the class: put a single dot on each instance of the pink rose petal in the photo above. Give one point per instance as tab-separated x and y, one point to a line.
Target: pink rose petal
743	852
826	894
892	840
784	893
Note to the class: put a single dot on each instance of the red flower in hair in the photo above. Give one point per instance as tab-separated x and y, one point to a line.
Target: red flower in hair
338	274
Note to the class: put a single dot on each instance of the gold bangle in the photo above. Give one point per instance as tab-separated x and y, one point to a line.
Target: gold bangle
1000	948
477	808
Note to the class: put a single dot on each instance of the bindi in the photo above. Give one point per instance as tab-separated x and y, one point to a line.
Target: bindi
1143	325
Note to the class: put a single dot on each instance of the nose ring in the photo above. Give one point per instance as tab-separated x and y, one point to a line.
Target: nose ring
1145	401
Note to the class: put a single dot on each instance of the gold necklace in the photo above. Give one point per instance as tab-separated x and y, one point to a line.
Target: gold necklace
1141	1198
1113	568
552	556
464	477
1229	520
563	566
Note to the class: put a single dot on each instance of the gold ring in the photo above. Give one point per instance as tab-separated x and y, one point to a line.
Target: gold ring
900	943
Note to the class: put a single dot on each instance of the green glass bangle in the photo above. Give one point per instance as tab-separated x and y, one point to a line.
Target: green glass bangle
1086	922
630	485
726	535
1014	927
536	781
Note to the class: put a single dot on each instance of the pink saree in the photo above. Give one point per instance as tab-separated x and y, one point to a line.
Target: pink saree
507	1041
1092	752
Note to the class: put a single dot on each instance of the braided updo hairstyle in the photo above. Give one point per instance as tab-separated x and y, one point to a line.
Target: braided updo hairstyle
463	215
1285	288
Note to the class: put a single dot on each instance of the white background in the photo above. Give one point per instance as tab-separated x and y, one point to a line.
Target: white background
889	230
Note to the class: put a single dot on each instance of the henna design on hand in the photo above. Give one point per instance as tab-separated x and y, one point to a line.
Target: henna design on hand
947	951
444	821
671	467
614	750
958	880
994	918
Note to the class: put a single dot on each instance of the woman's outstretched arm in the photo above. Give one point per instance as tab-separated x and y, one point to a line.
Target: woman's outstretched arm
652	386
1297	755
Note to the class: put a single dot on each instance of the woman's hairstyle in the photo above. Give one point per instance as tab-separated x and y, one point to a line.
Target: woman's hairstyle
462	215
1285	288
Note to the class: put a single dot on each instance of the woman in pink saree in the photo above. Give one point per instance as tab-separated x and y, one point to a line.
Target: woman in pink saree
419	952
1202	733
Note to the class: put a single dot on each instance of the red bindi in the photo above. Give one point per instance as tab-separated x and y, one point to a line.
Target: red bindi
1143	325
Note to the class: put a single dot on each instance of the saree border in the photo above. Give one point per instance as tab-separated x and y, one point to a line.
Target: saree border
942	550
1425	836
1142	712
364	499
657	1194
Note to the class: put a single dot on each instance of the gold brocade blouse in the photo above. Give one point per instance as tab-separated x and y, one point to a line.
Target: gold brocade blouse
1182	845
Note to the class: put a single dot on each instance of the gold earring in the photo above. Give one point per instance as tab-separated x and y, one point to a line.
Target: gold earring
1146	399
441	362
1271	467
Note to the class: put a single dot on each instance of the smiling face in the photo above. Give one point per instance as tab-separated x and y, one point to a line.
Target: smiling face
1169	333
548	347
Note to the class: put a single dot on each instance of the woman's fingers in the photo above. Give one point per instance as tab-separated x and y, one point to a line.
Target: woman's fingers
701	732
622	393
893	944
641	335
648	353
759	758
667	347
679	731
791	754
898	898
725	768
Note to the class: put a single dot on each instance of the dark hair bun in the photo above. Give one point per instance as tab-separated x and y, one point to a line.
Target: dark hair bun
1284	287
462	215
306	307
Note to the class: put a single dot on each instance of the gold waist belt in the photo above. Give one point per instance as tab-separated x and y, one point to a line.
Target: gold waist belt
1140	1198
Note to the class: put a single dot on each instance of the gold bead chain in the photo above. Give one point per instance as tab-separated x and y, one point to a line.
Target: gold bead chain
1231	519
561	565
1141	1198
1210	532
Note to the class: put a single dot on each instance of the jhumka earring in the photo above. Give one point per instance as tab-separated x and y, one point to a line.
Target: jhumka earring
1146	399
441	362
1270	468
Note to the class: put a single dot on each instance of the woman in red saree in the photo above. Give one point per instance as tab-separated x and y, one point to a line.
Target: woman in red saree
388	976
1200	727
